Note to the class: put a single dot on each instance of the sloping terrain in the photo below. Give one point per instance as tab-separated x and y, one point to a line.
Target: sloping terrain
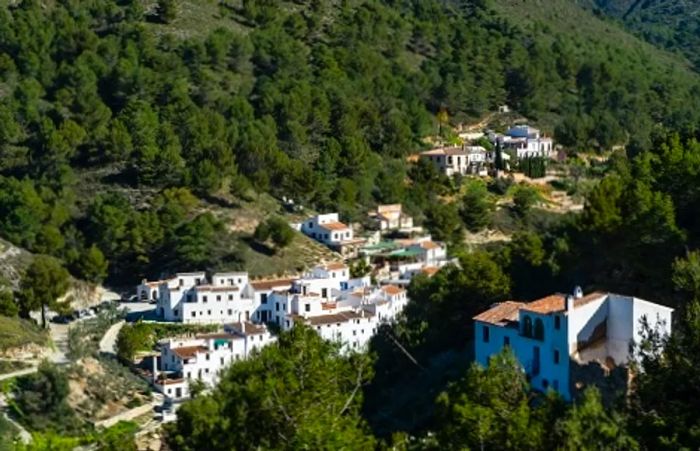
670	24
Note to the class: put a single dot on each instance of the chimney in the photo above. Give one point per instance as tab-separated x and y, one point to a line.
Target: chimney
578	292
569	303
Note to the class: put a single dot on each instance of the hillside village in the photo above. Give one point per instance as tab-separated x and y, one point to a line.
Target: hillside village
362	225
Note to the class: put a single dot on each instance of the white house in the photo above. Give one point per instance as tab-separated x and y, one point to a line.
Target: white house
191	298
328	230
525	142
204	357
461	160
391	217
555	336
353	329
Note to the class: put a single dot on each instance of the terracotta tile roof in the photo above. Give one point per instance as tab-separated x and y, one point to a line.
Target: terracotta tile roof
216	288
390	208
429	245
335	318
549	304
557	302
335	266
501	314
187	352
444	151
219	335
328	305
392	290
250	328
166	381
271	283
506	312
430	270
333	226
589	298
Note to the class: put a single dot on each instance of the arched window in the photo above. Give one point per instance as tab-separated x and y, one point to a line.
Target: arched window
539	329
527	327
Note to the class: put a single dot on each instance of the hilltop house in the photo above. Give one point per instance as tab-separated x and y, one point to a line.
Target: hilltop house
391	217
565	342
328	230
460	160
524	142
203	357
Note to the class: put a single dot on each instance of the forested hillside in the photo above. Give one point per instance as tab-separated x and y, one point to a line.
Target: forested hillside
670	24
111	111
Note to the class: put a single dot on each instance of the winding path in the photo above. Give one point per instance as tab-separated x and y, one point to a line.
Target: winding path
108	343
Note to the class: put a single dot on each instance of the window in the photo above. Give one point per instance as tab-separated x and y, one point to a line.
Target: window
177	312
222	360
230	297
277	306
506	341
556	356
539	329
230	312
194	314
545	383
204	299
206	370
206	356
485	334
354	332
557	322
555	384
218	298
263	298
209	312
307	307
240	281
527	327
311	225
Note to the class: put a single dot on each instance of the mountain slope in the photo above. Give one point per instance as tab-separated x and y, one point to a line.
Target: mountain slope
112	114
670	24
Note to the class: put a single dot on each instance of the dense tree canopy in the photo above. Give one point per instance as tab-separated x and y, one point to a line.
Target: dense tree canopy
312	100
299	393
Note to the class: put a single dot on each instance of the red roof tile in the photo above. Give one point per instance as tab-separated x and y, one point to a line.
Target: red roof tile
550	304
392	290
270	284
333	226
187	352
501	314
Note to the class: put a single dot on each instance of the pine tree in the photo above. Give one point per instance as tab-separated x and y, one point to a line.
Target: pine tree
166	10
